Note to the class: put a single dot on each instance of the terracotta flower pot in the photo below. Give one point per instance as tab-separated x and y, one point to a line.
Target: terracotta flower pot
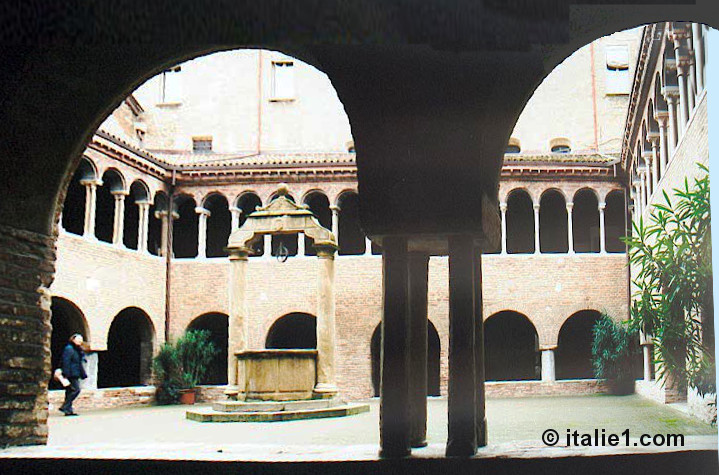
187	396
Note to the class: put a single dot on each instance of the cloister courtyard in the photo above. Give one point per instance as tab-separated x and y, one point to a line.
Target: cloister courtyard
515	426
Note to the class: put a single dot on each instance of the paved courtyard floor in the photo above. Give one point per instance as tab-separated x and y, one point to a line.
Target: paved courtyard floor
515	427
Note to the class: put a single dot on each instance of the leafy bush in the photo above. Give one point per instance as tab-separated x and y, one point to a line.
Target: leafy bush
182	365
674	301
614	350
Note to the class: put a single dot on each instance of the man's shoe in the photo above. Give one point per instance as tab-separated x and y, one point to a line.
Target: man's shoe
72	414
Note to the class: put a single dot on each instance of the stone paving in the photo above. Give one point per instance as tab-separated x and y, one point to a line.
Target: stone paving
514	425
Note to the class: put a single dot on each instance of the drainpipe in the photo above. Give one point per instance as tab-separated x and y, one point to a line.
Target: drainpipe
168	252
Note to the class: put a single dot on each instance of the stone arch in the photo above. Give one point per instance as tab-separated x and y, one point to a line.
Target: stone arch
511	347
520	222
585	221
574	346
217	324
248	202
615	221
67	319
319	204
218	224
130	343
294	330
154	229
553	232
113	182
73	210
433	359
351	238
139	193
185	227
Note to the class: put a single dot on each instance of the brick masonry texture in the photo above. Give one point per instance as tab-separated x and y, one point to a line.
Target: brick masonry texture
26	267
566	285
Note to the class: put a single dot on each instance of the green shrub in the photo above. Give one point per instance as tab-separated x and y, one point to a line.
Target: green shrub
614	350
182	365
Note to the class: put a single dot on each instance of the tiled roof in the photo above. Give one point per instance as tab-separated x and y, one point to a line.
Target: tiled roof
579	158
269	159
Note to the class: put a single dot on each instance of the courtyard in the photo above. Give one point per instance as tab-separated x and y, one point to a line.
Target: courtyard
515	427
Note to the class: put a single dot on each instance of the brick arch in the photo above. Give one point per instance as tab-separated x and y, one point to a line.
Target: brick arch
574	345
130	342
204	198
117	173
217	324
340	195
511	345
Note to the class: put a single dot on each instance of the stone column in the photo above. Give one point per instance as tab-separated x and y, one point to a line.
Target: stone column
645	196
602	229
367	246
325	386
663	148
202	231
267	244
143	225
649	160
480	410
698	46
235	219
394	422
638	195
654	140
570	227
237	323
536	228
683	99
300	244
691	82
417	275
336	222
548	368
90	206
461	401
646	343
503	210
118	224
671	98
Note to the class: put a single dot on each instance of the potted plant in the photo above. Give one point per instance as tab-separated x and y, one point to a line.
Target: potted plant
179	368
614	350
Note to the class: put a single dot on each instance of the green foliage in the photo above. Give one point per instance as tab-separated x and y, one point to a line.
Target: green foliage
195	351
182	365
614	349
166	367
672	257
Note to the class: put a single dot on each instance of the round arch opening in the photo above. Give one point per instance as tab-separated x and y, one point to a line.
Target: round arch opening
217	325
67	319
128	359
295	330
511	348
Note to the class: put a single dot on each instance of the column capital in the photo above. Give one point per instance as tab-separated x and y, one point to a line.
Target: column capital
631	208
119	194
661	117
671	94
653	137
147	203
91	182
535	206
503	207
547	347
235	209
602	205
335	208
202	211
648	156
238	254
570	205
325	251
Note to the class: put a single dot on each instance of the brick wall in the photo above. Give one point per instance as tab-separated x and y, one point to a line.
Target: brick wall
26	267
577	283
102	280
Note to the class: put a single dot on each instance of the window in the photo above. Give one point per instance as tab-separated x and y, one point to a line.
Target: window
283	81
560	145
617	73
171	86
201	144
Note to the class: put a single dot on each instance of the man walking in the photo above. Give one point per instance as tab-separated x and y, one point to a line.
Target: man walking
72	369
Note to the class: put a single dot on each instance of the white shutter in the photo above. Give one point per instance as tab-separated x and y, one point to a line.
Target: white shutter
283	80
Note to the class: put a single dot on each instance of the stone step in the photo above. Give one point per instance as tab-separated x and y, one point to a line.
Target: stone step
210	415
274	406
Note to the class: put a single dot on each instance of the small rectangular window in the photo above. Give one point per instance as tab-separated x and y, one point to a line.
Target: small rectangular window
283	81
171	86
202	144
617	70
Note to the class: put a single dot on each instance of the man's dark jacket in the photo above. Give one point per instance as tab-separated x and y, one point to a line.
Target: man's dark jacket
72	358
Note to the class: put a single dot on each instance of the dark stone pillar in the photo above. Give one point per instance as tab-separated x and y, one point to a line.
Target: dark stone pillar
394	425
418	269
462	430
479	350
